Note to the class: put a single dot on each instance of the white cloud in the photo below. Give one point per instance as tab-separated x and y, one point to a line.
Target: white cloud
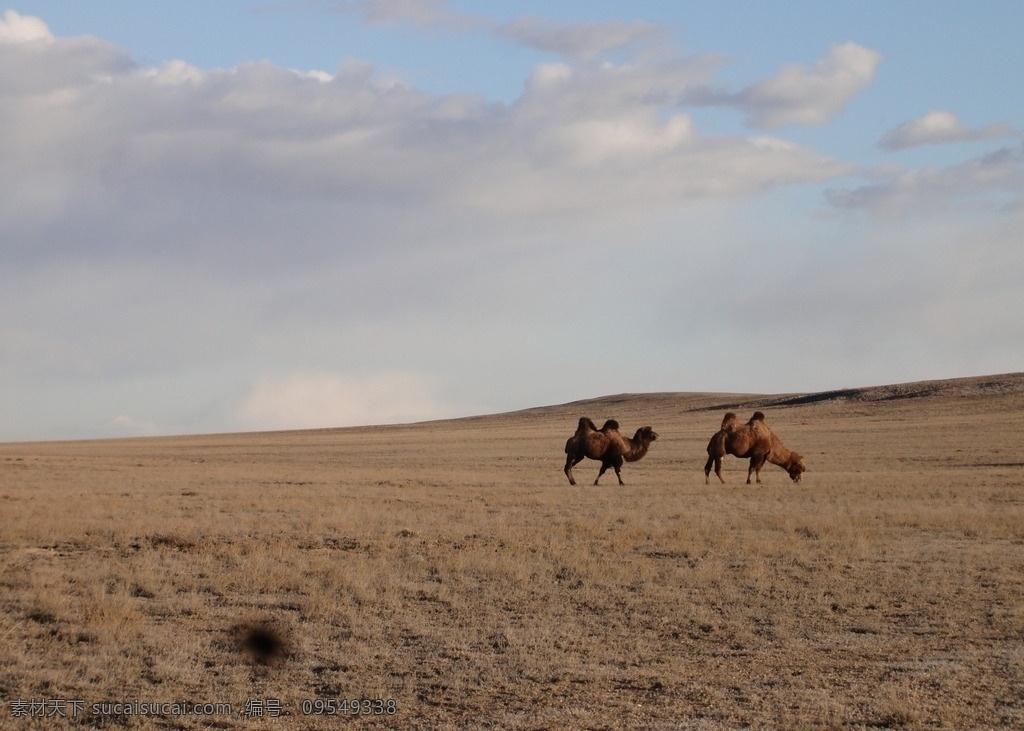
585	41
130	426
992	180
419	13
17	28
938	127
310	400
175	73
36	66
800	95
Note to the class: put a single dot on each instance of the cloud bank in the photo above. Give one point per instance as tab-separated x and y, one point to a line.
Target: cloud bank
92	139
257	247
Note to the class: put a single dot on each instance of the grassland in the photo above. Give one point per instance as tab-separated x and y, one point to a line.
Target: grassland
450	568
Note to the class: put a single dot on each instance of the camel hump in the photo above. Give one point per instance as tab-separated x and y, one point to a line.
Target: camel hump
730	416
610	424
585	423
758	416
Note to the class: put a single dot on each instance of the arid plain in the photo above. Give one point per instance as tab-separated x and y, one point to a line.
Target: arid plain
447	573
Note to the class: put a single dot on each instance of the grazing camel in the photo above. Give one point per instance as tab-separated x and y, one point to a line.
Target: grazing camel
607	445
754	440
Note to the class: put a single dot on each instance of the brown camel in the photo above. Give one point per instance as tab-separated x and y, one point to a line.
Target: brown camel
607	445
754	440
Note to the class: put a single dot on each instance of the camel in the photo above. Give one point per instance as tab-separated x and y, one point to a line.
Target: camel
754	440
607	445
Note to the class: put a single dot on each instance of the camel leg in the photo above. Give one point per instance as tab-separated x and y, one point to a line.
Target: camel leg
610	463
716	461
570	462
756	463
615	463
764	461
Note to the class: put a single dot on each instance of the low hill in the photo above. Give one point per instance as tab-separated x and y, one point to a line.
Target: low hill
997	392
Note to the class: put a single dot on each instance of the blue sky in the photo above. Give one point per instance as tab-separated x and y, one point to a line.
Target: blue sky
283	214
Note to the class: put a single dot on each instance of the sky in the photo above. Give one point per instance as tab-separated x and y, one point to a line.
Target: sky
283	214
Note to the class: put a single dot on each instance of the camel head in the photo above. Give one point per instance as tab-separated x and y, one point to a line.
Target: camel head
645	434
796	467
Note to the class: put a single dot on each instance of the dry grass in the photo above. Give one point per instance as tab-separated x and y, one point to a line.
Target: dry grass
449	567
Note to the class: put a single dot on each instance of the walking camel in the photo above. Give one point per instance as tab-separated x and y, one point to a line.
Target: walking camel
606	445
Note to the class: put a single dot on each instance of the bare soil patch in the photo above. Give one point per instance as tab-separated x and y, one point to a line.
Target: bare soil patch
446	574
